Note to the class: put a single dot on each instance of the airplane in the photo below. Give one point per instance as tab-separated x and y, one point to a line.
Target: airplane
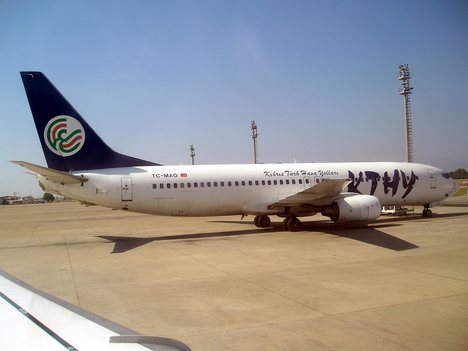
34	320
83	167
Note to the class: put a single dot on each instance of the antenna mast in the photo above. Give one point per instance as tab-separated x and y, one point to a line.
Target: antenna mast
405	90
253	126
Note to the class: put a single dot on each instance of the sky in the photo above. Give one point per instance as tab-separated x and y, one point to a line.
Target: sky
318	77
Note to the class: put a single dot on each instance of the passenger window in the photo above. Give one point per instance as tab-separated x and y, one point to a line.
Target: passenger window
202	184
195	185
182	185
161	186
222	183
263	182
293	181
168	185
287	181
175	185
281	181
229	183
208	184
307	180
215	184
243	183
189	185
236	183
300	181
250	182
269	182
256	182
154	186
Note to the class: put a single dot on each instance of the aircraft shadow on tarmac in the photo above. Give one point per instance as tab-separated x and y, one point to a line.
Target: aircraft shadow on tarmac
369	234
127	243
373	236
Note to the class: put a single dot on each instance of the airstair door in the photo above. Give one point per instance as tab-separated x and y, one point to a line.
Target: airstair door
127	189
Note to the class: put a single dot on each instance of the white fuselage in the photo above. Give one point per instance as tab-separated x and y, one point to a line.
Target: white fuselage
213	190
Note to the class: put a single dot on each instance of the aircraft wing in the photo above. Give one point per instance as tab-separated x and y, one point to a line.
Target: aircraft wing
52	174
34	320
323	193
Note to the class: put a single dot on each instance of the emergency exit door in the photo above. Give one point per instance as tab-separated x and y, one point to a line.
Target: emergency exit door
127	189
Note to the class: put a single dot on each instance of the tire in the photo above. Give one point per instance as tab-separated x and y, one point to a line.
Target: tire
292	224
264	221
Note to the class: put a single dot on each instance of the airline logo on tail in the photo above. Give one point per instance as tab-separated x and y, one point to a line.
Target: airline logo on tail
64	135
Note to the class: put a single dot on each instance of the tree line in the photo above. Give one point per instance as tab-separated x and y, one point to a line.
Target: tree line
460	173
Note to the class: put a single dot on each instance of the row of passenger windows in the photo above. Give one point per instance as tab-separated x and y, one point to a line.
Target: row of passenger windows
229	183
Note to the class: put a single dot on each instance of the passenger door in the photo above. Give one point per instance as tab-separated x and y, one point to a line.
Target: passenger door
127	189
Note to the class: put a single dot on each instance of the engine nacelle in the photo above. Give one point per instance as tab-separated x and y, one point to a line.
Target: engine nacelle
354	209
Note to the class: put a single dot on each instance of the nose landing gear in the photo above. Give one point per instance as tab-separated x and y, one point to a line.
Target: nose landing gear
426	212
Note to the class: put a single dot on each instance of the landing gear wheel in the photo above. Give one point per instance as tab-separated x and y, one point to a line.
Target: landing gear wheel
427	213
262	221
292	224
256	219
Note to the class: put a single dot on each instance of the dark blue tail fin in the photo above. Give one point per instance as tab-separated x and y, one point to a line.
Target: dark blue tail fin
68	142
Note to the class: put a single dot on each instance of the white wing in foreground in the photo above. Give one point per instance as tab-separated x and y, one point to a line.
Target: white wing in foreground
34	320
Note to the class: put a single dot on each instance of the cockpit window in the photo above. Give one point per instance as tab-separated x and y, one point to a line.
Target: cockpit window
446	175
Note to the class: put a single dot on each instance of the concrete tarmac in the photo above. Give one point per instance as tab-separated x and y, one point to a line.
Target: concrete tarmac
219	283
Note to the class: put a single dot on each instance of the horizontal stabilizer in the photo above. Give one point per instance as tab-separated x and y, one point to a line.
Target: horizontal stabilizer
52	174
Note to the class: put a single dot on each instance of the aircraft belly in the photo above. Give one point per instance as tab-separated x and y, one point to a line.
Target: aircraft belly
195	204
213	207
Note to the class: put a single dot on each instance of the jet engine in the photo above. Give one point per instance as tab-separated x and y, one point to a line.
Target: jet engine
354	208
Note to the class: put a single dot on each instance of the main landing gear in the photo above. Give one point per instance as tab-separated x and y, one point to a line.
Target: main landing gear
262	221
291	224
427	212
